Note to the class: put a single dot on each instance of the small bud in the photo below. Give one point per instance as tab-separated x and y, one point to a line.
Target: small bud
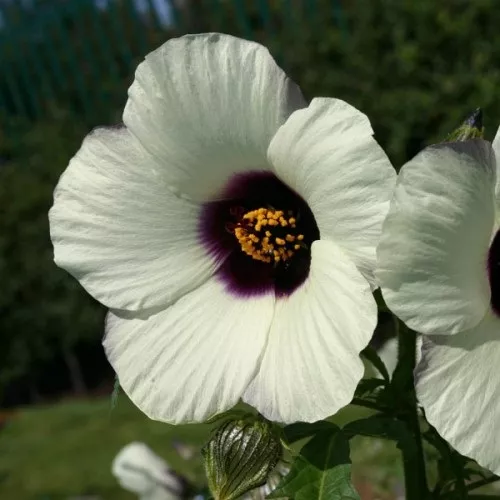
471	128
240	456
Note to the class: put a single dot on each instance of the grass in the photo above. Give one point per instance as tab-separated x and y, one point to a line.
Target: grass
51	453
64	450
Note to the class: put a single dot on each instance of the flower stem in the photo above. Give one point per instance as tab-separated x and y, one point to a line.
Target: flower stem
415	466
414	462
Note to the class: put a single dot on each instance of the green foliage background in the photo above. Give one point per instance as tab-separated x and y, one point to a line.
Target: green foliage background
416	68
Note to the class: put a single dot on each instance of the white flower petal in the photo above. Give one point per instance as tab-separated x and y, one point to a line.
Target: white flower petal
207	106
311	365
194	359
138	469
458	385
433	252
116	227
496	149
326	152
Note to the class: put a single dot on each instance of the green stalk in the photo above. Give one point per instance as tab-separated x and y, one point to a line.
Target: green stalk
414	463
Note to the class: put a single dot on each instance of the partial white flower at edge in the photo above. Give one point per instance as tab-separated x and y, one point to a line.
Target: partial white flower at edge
139	470
439	269
231	229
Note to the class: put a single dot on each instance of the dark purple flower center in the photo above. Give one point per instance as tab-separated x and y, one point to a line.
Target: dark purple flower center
262	231
494	273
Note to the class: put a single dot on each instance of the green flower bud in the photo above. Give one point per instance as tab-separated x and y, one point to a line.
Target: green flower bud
471	128
240	456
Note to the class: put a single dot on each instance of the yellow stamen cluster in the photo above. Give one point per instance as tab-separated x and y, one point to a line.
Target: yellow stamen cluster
257	235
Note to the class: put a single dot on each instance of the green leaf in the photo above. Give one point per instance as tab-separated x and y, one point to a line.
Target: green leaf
451	465
368	386
300	430
322	471
381	426
371	355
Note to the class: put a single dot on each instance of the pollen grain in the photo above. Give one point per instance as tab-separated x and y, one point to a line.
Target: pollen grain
268	235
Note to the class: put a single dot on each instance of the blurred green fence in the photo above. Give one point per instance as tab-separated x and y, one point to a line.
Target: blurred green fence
416	68
77	51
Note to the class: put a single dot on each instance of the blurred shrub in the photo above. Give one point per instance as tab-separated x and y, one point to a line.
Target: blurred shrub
43	311
416	68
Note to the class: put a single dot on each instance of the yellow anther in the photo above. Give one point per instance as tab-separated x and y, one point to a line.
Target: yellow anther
271	246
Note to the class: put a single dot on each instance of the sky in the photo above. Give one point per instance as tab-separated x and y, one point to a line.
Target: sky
162	8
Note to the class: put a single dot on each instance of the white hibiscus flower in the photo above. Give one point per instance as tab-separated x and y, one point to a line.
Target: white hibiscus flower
231	229
439	269
139	470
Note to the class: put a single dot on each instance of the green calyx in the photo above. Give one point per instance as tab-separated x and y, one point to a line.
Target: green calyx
471	128
240	456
